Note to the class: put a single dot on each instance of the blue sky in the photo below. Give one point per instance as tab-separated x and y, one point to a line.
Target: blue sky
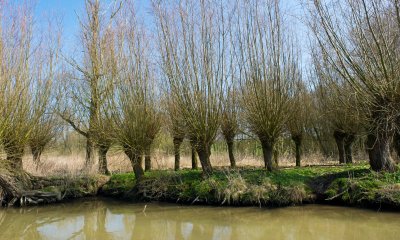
69	10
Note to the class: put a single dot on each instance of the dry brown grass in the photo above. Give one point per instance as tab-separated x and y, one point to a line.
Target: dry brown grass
52	163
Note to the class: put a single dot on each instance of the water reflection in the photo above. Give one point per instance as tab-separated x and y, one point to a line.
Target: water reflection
105	219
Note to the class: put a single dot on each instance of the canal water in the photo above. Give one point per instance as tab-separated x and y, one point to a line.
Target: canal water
110	219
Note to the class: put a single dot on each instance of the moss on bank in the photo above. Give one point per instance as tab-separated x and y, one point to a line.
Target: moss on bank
119	184
71	187
365	188
347	185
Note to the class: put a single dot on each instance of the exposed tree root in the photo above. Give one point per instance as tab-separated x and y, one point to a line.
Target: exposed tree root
18	188
15	190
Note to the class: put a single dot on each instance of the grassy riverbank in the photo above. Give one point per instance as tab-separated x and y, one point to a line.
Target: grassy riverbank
346	185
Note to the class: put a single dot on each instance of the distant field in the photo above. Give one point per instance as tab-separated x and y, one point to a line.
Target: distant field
53	163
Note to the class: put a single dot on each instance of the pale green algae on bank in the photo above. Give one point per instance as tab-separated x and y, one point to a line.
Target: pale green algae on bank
111	219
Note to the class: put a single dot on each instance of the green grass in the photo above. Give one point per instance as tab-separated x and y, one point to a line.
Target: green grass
348	184
119	184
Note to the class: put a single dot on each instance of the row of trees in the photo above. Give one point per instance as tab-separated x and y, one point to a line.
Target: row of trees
28	68
211	68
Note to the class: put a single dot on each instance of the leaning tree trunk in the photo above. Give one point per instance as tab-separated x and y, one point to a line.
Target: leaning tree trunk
232	160
103	149
194	157
177	151
267	148
297	139
136	161
147	160
348	147
204	155
379	152
339	138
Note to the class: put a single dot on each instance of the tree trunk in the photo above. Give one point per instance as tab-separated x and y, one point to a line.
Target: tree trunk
14	155
194	157
230	151
276	158
348	147
379	152
324	149
36	154
339	138
103	160
15	161
177	151
396	145
267	155
297	139
136	161
204	156
147	160
90	148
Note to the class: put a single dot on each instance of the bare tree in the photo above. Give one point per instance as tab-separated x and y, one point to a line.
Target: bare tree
177	130
45	124
112	54
302	104
134	111
229	122
87	88
360	42
27	72
338	103
270	69
15	82
26	78
192	45
42	133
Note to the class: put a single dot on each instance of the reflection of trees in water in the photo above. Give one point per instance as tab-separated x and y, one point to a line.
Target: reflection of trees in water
105	220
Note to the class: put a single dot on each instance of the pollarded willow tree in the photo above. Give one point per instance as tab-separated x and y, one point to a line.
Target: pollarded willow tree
15	81
177	130
134	107
89	81
111	57
270	70
338	101
43	132
229	118
230	107
360	40
26	77
302	104
45	123
192	41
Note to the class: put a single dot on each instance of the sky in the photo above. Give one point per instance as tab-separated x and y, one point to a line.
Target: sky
69	11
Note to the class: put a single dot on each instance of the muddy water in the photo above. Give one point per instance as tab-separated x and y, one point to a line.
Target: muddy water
107	219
